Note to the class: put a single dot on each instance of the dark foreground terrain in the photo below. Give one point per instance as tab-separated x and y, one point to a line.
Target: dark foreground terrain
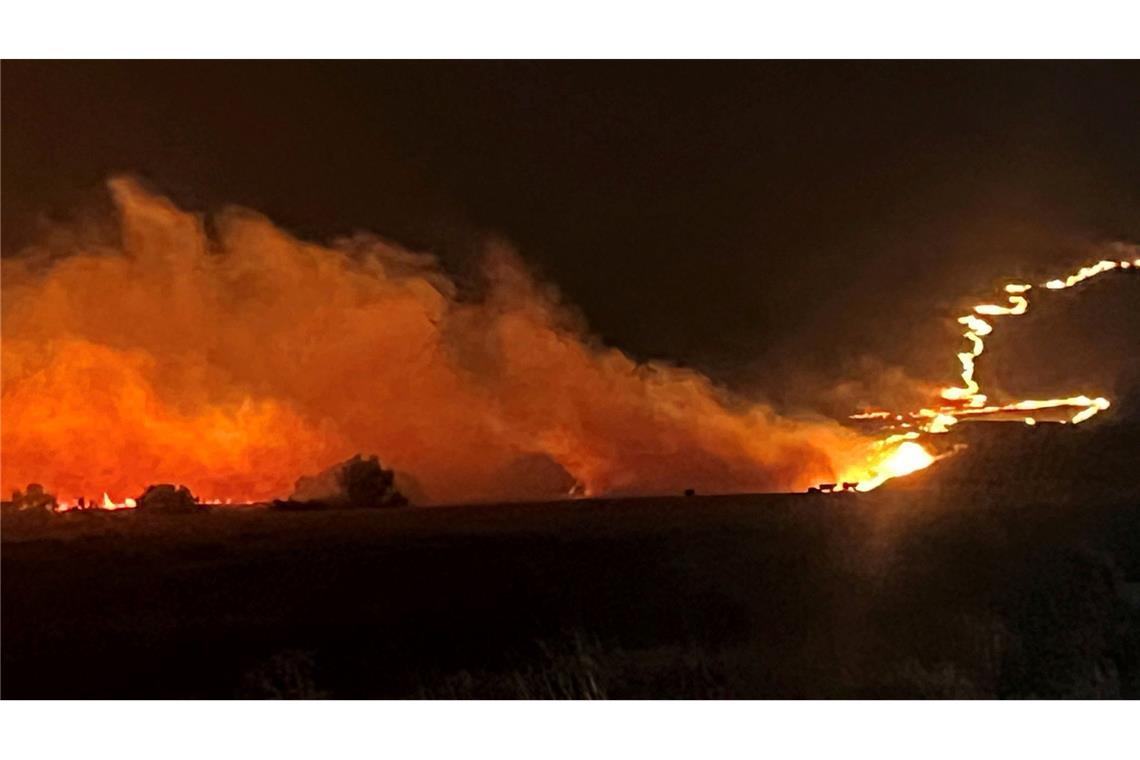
944	591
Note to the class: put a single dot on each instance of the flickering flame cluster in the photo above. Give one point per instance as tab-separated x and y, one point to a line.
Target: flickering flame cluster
902	455
107	504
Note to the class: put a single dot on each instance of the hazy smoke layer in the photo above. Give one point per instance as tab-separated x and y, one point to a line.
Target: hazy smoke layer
236	360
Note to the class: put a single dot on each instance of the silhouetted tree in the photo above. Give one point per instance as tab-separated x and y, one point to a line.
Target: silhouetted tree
164	497
365	483
359	483
34	498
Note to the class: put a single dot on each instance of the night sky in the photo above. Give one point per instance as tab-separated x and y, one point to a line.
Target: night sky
749	219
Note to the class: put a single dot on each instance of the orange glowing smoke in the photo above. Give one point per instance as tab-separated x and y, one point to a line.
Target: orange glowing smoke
235	362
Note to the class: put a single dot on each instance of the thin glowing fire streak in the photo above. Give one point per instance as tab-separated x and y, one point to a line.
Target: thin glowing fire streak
967	400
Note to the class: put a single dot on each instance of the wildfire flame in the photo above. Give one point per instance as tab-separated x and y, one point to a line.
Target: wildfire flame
235	362
967	400
903	459
107	503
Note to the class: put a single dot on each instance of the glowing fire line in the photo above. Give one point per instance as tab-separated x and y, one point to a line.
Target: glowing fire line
969	396
967	400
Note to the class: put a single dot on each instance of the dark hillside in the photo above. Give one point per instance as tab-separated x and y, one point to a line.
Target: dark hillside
969	581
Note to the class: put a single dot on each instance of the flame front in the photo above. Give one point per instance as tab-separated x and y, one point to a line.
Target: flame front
967	400
107	504
903	459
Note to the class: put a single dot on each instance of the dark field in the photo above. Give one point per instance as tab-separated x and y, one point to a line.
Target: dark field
906	594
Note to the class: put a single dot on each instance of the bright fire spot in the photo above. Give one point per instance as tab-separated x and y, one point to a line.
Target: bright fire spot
127	503
908	457
107	504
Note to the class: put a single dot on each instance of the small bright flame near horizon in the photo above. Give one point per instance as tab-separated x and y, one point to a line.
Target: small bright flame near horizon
904	459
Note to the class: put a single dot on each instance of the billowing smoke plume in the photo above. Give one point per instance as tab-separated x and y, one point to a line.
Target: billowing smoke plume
236	359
